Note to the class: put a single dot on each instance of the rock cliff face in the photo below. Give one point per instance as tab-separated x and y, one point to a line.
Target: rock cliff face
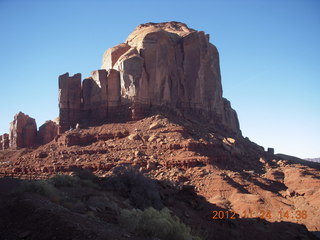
23	131
47	132
160	67
69	100
4	141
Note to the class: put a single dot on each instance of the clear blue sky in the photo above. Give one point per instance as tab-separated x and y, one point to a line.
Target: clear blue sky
269	56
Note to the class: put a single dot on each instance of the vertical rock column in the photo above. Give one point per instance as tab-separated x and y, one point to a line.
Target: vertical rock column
5	141
23	131
69	101
95	97
116	111
47	132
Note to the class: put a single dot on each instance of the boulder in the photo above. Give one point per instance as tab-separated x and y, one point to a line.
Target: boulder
23	131
47	132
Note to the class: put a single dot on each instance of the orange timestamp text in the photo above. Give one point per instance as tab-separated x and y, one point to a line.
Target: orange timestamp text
263	214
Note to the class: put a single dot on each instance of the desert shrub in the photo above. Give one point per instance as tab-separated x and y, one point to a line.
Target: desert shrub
61	180
153	223
41	187
130	183
89	184
85	174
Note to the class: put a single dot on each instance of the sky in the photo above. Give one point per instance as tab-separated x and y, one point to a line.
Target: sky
269	57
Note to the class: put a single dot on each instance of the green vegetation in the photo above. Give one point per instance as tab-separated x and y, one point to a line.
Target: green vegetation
49	188
132	184
154	223
41	187
61	180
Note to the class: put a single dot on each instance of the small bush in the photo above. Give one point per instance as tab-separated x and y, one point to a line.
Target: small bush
130	183
85	174
41	187
153	223
61	180
89	184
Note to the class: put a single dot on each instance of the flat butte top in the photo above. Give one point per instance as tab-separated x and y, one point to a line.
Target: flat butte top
175	30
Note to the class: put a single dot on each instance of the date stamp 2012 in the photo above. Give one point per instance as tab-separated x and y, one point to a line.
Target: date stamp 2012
263	214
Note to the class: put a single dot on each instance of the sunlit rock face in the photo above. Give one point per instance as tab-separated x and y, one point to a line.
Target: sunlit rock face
164	67
69	101
23	131
47	132
4	141
171	66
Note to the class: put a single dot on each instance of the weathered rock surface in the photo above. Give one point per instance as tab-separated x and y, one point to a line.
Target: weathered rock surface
69	101
171	66
112	55
164	67
95	98
47	132
23	131
4	141
229	172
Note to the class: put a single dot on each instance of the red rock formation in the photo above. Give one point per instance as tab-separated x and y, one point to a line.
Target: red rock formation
112	55
117	108
47	132
172	66
94	95
23	131
161	67
4	141
69	101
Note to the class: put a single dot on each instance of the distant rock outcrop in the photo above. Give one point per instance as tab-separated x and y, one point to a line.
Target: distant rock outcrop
23	131
69	100
4	141
47	132
161	67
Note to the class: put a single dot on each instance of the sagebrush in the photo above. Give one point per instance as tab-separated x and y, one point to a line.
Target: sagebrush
153	223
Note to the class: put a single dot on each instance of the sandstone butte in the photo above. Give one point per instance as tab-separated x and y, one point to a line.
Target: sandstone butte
165	67
156	104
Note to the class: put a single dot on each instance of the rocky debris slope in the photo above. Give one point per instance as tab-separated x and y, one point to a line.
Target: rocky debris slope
232	173
87	207
165	67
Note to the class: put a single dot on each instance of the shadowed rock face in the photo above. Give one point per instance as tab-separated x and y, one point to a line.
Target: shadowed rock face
23	131
47	132
161	66
95	98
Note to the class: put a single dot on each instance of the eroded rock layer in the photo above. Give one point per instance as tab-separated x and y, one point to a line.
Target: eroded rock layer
4	141
23	131
161	66
47	132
